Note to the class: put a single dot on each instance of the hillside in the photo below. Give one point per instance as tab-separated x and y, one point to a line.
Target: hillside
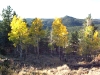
67	20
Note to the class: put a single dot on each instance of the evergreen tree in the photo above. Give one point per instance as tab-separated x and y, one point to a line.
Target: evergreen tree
5	26
74	41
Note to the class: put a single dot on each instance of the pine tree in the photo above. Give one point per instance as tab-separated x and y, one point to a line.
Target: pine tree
5	26
74	41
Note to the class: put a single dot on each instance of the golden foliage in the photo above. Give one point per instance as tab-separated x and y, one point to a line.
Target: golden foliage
36	31
88	31
19	31
59	32
90	41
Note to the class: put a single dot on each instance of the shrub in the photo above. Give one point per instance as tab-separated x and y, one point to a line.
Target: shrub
8	63
5	71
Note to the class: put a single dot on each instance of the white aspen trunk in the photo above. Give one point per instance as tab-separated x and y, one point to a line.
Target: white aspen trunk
35	49
16	49
20	53
20	49
59	51
38	47
51	51
51	41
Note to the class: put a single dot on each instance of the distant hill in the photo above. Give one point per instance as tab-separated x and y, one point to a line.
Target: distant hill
67	20
71	21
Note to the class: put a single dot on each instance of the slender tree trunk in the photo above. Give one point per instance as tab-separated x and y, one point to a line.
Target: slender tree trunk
51	42
20	53
20	49
25	55
51	51
35	51
17	48
38	48
26	51
59	51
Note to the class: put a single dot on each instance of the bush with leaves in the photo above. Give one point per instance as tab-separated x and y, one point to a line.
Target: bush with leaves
90	40
5	67
6	71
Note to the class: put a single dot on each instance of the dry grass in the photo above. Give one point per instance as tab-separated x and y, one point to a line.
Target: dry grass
47	65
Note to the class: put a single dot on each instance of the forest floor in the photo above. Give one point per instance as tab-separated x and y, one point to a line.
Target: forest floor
52	65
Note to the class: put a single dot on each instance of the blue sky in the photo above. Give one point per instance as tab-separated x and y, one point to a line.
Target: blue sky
53	8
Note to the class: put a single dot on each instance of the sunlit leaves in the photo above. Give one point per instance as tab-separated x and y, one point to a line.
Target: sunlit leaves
36	30
95	36
88	31
59	32
19	31
90	41
36	27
